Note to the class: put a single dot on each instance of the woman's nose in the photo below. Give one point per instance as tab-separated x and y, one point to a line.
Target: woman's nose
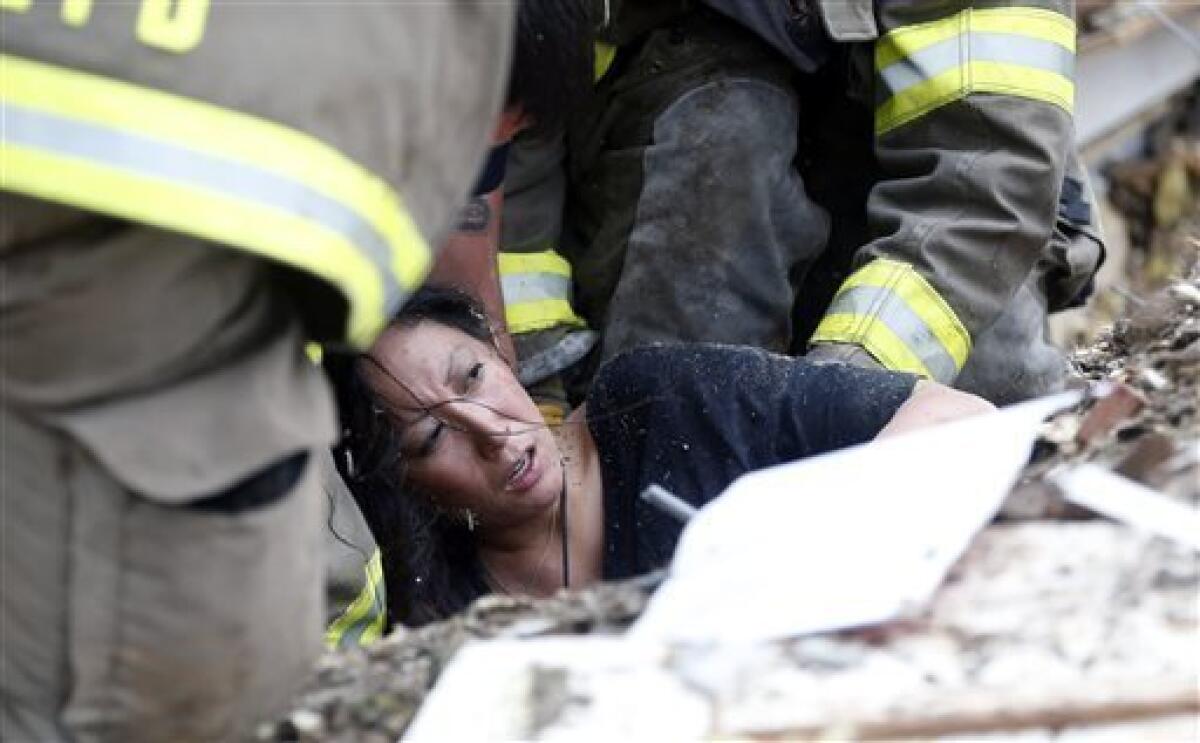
490	443
487	429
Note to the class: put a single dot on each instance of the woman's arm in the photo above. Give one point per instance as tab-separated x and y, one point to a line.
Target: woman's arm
468	262
930	404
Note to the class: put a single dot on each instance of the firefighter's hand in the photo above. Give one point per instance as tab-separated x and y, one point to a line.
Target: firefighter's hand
930	404
844	353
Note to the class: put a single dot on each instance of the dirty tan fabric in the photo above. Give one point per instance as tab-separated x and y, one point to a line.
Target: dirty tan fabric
129	620
178	365
141	371
406	88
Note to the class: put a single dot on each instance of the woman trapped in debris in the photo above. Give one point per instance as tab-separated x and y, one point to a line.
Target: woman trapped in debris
467	491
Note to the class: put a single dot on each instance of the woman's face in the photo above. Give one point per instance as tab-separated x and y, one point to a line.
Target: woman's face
470	435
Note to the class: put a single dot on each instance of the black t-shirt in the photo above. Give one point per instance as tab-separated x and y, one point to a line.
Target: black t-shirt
692	418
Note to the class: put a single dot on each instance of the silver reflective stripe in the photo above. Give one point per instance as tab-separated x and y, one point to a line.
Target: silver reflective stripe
352	637
882	305
924	64
154	158
532	287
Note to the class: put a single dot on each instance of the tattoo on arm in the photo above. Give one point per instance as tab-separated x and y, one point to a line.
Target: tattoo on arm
475	216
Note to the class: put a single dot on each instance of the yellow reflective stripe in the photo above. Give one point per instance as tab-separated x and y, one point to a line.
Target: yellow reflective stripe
1030	82
239	138
363	620
528	317
1035	23
532	302
547	261
907	40
273	233
373	631
604	56
201	126
975	77
76	12
922	299
1018	51
875	337
375	589
315	352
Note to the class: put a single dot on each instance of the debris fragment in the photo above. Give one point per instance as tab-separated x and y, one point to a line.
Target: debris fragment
1147	454
1118	404
1120	498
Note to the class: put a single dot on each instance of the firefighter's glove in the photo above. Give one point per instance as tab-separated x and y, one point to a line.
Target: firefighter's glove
843	353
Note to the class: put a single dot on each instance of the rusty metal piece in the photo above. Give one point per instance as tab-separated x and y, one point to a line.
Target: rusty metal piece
1119	405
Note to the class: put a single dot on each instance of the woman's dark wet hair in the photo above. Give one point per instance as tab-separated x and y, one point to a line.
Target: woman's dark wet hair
431	566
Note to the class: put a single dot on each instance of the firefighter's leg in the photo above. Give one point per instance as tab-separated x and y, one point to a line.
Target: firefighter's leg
229	641
720	224
35	522
131	620
693	218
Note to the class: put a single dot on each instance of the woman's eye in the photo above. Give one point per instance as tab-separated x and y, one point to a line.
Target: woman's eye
475	373
430	442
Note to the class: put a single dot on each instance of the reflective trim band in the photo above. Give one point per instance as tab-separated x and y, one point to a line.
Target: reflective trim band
866	302
877	338
604	54
527	287
1026	52
1034	23
187	166
546	261
529	317
537	291
1006	49
891	310
914	291
363	620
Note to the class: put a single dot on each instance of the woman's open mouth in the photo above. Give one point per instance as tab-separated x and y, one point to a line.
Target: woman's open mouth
525	471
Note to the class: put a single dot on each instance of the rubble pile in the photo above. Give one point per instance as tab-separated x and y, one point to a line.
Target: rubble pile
370	695
1054	622
1050	629
1141	419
